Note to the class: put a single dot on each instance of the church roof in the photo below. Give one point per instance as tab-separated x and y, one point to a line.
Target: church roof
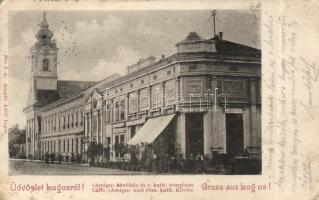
71	89
64	88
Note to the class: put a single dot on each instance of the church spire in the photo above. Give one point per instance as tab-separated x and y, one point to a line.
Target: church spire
44	35
44	23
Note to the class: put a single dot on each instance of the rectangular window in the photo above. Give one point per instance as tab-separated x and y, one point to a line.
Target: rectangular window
193	68
117	107
156	96
108	113
72	120
155	77
117	139
99	122
122	139
108	141
94	104
54	123
72	145
117	146
76	144
88	123
63	122
122	110
81	118
169	73
104	103
94	125
59	126
76	119
68	124
122	143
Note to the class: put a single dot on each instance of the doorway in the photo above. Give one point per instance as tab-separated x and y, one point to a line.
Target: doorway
194	134
234	134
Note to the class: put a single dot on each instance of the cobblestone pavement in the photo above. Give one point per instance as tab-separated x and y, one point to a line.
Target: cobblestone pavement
23	167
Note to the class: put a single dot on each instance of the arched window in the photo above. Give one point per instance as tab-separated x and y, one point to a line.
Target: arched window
45	64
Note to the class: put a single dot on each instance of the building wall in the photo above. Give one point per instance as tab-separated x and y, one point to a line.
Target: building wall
182	84
32	134
188	87
63	128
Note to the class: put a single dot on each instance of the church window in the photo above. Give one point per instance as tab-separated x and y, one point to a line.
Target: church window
45	64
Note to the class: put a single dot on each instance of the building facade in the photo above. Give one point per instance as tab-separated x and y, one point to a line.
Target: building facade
205	98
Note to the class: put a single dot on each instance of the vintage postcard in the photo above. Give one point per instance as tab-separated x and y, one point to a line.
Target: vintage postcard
159	99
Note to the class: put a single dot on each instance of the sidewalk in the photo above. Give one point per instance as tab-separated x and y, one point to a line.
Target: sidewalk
55	162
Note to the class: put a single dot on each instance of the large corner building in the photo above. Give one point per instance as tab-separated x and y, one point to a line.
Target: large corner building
203	98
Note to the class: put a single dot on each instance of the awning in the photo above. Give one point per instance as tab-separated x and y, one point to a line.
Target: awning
151	129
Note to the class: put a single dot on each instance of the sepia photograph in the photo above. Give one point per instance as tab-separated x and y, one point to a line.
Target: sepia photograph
140	92
156	99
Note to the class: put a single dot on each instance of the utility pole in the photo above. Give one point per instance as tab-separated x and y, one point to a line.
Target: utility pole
213	15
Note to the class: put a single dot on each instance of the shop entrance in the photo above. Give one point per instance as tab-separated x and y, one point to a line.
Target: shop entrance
234	134
194	134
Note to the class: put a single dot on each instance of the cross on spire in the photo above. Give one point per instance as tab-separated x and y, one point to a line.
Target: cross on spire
44	22
44	16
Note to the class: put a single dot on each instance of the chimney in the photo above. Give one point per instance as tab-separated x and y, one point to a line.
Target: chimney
221	35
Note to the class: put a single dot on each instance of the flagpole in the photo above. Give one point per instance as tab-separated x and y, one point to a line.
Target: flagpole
214	24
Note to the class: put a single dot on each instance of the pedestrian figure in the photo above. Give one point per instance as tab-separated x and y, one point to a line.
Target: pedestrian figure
199	162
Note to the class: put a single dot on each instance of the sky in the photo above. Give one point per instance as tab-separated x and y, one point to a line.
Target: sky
95	44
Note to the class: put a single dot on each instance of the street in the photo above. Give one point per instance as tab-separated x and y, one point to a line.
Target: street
23	167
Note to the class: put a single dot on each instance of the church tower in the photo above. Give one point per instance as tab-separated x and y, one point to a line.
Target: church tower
43	63
43	86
